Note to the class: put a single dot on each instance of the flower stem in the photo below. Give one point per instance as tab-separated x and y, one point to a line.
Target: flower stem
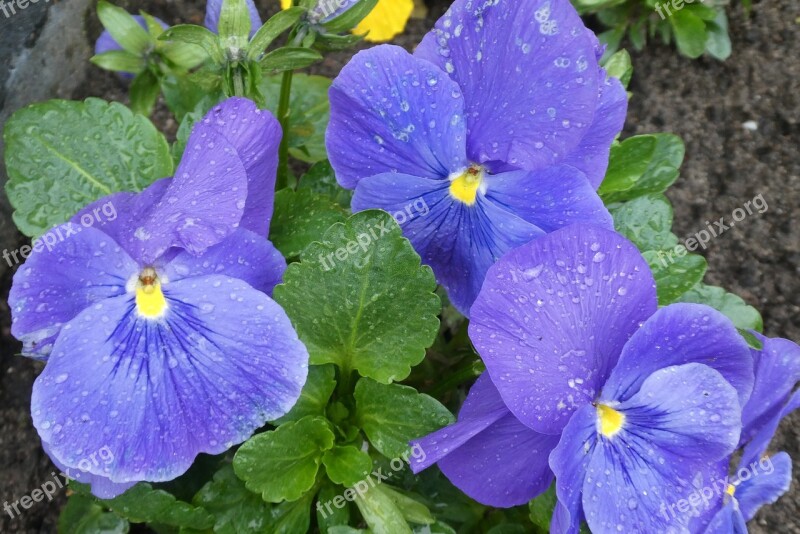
238	82
283	117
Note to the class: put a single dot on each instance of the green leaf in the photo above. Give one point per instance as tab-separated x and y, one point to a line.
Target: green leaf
119	61
361	299
271	29
690	33
182	56
381	513
301	218
627	162
351	17
322	179
195	93
196	35
619	66
641	165
347	465
315	395
144	92
646	221
288	58
144	504
743	316
291	517
234	23
392	415
236	510
61	156
541	509
309	111
718	43
282	464
612	39
82	515
675	275
328	514
124	28
413	511
336	43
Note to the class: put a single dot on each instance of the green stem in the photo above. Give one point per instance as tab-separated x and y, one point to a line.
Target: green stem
283	117
238	81
459	376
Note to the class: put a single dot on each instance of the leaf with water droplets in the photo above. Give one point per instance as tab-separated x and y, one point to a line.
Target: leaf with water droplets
82	515
62	155
360	299
282	464
646	221
300	218
675	275
392	415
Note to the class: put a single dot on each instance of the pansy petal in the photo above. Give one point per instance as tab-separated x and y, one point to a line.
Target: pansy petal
569	461
392	112
459	242
550	198
777	372
488	454
256	135
101	486
553	316
222	361
728	520
243	255
759	443
53	286
682	420
591	154
214	10
765	486
528	72
482	408
202	204
676	335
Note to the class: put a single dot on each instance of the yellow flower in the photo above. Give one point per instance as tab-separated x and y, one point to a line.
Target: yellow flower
387	20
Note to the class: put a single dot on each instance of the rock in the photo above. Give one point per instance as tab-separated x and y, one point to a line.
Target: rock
43	54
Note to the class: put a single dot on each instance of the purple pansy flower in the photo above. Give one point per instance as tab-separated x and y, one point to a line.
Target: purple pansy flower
501	122
762	479
630	402
160	337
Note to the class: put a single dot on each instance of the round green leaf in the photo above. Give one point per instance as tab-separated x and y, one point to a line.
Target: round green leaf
347	465
392	415
300	218
282	464
62	155
361	299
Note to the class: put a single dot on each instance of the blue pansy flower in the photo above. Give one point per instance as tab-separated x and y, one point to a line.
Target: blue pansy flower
630	402
160	338
759	479
501	122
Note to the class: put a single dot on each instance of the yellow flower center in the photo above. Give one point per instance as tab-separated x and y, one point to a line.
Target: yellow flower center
730	490
611	421
150	301
465	186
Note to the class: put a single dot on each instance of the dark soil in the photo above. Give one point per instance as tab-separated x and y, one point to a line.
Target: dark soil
704	101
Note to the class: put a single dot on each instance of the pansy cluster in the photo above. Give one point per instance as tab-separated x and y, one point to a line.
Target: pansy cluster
162	341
